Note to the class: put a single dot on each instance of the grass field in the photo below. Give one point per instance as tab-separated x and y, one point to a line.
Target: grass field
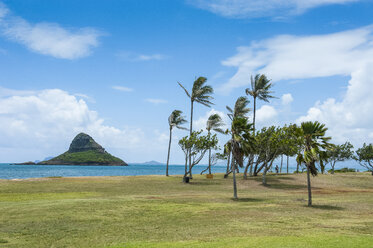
155	211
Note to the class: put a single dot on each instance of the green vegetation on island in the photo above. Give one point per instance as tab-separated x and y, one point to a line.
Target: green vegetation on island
84	151
84	158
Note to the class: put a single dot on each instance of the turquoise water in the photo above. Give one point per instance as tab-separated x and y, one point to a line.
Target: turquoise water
8	171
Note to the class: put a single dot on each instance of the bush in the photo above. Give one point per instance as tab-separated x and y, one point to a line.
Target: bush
343	170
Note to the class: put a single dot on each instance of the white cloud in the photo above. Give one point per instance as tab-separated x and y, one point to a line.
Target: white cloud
10	92
34	125
49	38
122	88
143	57
263	8
201	122
286	99
298	57
134	57
348	53
266	114
84	96
351	118
155	101
3	10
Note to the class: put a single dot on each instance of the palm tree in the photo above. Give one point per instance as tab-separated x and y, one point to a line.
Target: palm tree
240	110
201	93
242	142
174	120
214	123
314	142
260	88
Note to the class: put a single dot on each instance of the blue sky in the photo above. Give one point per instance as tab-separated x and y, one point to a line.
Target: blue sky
110	68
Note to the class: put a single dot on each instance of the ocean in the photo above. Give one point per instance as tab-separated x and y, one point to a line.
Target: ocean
8	171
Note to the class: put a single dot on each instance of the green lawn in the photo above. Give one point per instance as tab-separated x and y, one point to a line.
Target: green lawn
155	211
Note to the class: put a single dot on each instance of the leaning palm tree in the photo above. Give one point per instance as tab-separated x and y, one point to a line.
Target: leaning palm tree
240	108
214	123
200	93
314	142
174	120
260	88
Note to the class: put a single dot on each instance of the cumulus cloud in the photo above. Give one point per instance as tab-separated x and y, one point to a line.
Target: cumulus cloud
263	8
266	114
200	123
34	125
286	99
348	53
48	38
351	118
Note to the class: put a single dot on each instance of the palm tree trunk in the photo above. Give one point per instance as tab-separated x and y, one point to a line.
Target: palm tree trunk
210	161
252	158
297	167
209	156
186	167
282	158
309	186
234	180
254	115
169	149
191	131
287	164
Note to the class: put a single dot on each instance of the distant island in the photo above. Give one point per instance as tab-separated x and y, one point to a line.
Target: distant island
84	150
152	162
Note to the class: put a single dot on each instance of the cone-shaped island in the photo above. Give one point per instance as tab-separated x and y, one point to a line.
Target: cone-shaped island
85	151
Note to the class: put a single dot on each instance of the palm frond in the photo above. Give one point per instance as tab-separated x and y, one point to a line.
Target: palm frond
176	119
214	122
260	88
201	93
186	91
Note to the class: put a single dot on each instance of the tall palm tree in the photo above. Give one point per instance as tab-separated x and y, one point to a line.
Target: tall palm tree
200	93
214	123
240	110
174	120
260	88
314	142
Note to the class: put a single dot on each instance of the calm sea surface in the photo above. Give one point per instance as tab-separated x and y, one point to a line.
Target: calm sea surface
8	171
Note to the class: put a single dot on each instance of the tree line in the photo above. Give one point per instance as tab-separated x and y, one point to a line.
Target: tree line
252	150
